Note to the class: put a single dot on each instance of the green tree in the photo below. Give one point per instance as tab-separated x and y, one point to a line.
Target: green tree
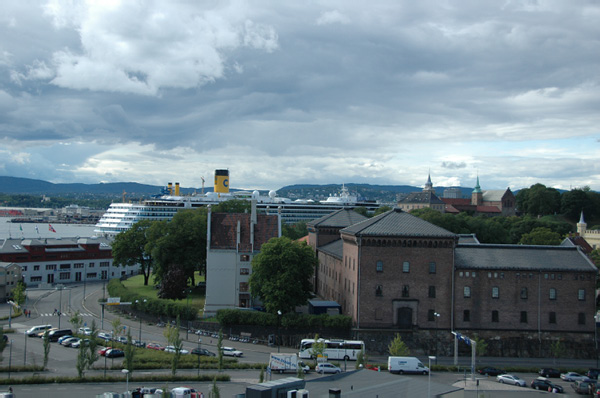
46	342
281	274
220	350
117	327
294	231
214	391
360	360
171	333
480	346
233	206
92	352
129	248
76	320
128	361
575	201
261	375
540	236
18	293
318	347
361	210
538	200
182	244
381	210
557	350
397	347
81	361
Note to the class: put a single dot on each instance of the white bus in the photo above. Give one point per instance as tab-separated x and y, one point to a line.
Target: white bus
334	349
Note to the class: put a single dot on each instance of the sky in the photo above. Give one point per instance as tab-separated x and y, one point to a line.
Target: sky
319	92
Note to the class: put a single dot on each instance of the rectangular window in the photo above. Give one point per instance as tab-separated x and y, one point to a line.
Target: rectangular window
406	267
78	265
467	291
405	291
495	316
65	266
379	291
91	275
431	315
243	286
65	276
91	265
523	316
466	316
495	292
552	317
432	267
379	266
245	257
35	279
552	294
104	263
51	267
36	267
24	268
581	295
581	318
524	293
431	291
244	271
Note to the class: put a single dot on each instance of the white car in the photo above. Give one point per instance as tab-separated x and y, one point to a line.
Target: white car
572	376
231	352
86	331
171	348
105	336
511	379
69	341
326	367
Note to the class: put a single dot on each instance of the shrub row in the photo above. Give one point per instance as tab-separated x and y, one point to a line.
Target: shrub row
156	307
112	378
289	321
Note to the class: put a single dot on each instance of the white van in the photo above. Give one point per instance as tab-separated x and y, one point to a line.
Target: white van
407	365
34	331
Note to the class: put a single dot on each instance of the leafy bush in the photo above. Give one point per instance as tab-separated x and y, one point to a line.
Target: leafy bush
290	321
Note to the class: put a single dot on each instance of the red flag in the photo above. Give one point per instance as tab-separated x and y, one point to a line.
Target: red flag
50	228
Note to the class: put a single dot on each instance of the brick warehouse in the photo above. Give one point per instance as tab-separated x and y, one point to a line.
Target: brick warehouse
395	272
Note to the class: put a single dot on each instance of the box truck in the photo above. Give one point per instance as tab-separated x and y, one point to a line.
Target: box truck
286	363
406	365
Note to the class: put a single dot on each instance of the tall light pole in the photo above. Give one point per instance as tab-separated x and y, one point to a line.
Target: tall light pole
199	341
437	315
187	330
429	377
278	329
25	351
10	358
126	371
139	302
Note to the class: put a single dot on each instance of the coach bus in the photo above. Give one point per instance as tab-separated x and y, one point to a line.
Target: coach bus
334	349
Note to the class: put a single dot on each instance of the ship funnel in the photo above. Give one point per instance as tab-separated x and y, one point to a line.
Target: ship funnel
170	188
176	189
221	181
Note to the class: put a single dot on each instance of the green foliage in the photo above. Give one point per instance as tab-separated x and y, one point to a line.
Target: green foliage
261	376
381	210
397	347
129	248
318	347
294	231
156	307
214	391
117	327
538	200
18	293
540	236
575	201
360	360
220	350
281	274
480	346
229	317
2	343
81	362
557	349
361	210
233	206
129	354
76	320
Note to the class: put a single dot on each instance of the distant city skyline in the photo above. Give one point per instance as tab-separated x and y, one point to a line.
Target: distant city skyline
281	93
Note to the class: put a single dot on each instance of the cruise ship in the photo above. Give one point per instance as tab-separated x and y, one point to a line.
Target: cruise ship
121	216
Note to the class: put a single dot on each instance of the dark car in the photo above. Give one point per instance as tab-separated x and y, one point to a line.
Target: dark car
114	353
541	383
490	371
593	373
54	335
549	372
203	352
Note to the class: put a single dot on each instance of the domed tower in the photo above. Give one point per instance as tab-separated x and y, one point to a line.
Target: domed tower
477	195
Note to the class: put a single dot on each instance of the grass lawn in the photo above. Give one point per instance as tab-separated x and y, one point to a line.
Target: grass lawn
136	283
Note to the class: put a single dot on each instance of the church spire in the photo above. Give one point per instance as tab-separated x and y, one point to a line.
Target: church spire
428	185
477	188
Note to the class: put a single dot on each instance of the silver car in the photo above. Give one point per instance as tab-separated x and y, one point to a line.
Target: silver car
327	368
511	379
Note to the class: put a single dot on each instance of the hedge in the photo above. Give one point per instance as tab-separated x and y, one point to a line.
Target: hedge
229	317
156	307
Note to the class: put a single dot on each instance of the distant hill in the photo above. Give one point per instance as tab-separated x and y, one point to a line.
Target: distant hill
382	193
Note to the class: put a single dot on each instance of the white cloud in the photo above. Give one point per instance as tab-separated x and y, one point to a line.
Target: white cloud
333	17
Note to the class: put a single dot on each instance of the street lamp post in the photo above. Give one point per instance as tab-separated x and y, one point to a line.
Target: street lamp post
10	358
278	329
429	377
199	341
126	371
187	330
25	350
140	336
437	315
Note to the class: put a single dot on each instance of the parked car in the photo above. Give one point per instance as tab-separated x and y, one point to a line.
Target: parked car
105	336
549	372
102	351
490	371
541	383
63	338
85	330
54	335
511	379
231	352
155	346
203	352
582	387
47	331
593	373
121	339
114	353
573	376
76	344
171	348
69	341
326	367
34	331
137	343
